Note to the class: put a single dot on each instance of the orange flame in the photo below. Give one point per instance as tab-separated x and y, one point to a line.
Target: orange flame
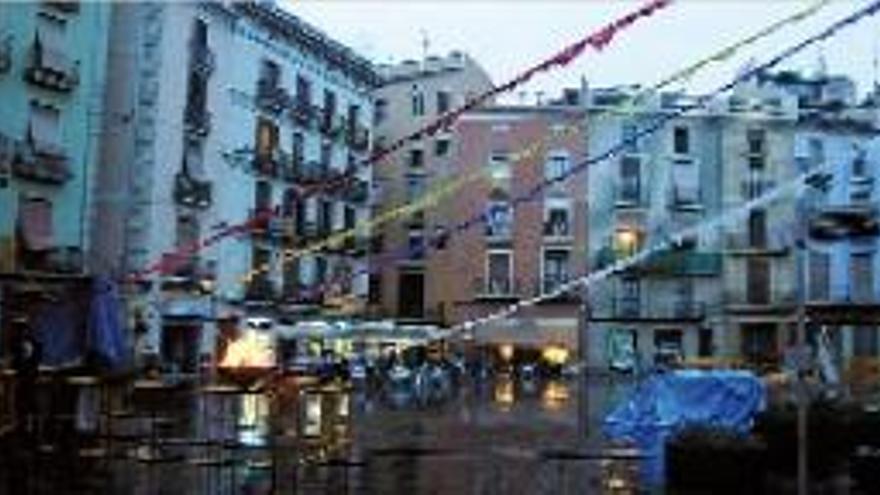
251	350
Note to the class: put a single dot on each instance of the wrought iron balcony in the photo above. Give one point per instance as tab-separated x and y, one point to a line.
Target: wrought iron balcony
197	121
271	97
631	308
356	191
50	68
753	187
679	263
764	300
41	162
201	59
776	243
854	219
311	172
191	192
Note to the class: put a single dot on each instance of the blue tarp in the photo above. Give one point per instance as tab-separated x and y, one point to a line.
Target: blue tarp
664	404
58	328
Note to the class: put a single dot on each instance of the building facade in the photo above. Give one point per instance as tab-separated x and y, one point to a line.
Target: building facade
651	188
524	248
224	115
52	76
412	95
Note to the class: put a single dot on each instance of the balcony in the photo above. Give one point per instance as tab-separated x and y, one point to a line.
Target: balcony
498	289
302	113
50	68
358	138
672	263
311	172
191	192
201	59
271	98
628	193
673	310
557	232
855	219
499	234
742	244
196	122
283	228
307	232
755	187
66	6
551	283
41	162
271	164
357	191
767	301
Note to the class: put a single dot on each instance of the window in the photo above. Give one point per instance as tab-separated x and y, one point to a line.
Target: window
630	296
350	217
686	183
374	293
756	141
681	141
705	345
499	268
442	102
289	202
270	74
415	187
303	91
325	216
556	269
416	245
267	138
263	195
326	154
861	276
630	179
200	33
498	219
820	275
441	147
380	111
499	166
298	151
627	242
757	228
816	152
557	166
45	126
758	280
51	33
860	163
628	133
418	102
557	220
416	158
329	105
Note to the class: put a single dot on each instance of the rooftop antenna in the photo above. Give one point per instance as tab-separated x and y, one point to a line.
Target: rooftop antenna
426	43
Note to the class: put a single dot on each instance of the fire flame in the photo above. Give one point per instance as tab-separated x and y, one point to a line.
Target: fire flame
251	350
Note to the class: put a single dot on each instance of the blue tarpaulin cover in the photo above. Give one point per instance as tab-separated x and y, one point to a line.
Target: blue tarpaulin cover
664	404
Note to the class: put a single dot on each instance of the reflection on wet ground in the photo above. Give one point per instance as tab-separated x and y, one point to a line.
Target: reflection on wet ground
497	436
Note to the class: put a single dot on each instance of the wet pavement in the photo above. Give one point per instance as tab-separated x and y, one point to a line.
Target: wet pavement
494	436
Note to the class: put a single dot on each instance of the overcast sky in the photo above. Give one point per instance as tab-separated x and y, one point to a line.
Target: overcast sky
507	36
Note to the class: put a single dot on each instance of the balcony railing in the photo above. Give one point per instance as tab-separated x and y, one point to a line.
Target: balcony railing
559	230
66	6
776	242
50	68
311	172
41	162
271	164
767	299
356	191
271	98
637	308
197	121
673	263
754	187
201	59
192	192
496	288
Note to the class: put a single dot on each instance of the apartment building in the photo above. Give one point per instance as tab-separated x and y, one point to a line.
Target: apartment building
409	284
524	248
222	113
649	189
